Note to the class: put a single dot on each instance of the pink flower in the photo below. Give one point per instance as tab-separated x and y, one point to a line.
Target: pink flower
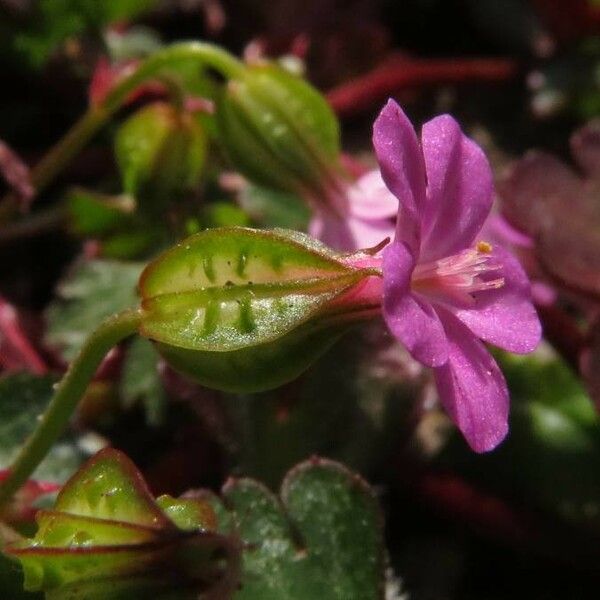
445	290
358	217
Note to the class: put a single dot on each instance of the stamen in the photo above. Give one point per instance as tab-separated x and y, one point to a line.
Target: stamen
458	276
484	247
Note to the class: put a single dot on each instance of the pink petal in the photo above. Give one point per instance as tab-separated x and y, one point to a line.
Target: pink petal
410	319
349	234
497	230
459	189
402	168
367	233
472	388
505	316
369	198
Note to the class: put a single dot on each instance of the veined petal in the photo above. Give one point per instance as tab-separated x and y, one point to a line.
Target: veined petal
472	388
505	316
459	189
402	168
410	319
369	198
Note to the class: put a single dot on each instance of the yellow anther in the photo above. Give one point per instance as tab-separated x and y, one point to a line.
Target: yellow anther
484	247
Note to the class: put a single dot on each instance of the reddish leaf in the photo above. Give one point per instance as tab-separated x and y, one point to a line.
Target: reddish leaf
559	208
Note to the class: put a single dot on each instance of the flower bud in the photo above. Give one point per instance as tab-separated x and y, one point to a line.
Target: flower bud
160	152
246	310
107	537
279	131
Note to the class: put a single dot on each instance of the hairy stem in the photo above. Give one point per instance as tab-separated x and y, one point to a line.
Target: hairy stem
66	396
206	55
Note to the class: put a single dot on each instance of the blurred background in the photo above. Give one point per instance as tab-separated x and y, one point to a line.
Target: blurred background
520	75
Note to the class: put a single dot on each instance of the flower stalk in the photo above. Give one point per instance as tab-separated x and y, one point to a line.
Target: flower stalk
206	55
66	397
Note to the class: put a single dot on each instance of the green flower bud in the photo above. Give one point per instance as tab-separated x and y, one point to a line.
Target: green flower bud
108	538
279	131
160	152
247	310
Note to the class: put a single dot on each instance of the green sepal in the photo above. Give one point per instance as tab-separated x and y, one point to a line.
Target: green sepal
129	499
189	514
256	368
226	289
107	535
246	310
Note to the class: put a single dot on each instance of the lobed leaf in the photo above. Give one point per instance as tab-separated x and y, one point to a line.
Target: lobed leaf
23	397
323	539
90	292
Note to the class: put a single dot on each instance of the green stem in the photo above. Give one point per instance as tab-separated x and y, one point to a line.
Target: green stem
68	393
62	153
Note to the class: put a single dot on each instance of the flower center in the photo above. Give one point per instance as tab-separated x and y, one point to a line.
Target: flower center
457	277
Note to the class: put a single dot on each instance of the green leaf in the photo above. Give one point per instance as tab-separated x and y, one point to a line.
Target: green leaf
23	397
322	540
93	214
57	20
140	380
90	292
226	289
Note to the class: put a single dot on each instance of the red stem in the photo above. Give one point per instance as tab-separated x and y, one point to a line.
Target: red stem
401	72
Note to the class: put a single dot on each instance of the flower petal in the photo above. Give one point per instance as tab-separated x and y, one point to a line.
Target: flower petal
410	319
497	230
351	233
472	388
369	198
505	316
459	189
402	168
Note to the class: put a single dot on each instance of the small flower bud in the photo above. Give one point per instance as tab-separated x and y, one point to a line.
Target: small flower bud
160	152
279	131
